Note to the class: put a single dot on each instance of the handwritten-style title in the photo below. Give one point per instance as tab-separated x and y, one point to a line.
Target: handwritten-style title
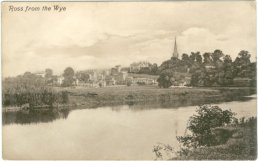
55	8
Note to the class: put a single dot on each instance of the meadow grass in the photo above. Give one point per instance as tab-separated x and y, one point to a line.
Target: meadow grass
150	94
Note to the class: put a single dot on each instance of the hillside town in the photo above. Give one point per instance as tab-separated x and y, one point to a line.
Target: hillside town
211	69
116	76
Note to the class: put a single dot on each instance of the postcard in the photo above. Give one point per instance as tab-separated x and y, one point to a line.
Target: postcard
153	80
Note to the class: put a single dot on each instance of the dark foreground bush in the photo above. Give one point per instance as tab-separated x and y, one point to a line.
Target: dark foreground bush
242	145
215	134
201	125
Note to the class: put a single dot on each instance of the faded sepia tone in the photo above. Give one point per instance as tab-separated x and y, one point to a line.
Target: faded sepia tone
129	80
108	33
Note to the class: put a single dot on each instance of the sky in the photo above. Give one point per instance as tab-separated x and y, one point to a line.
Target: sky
104	34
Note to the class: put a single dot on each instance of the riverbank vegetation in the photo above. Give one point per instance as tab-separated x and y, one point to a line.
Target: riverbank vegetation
30	91
210	70
93	97
215	134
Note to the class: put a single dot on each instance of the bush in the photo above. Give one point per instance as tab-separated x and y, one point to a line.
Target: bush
164	81
37	98
215	134
129	83
201	125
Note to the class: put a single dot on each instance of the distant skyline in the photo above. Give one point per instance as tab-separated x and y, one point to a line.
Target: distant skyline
104	34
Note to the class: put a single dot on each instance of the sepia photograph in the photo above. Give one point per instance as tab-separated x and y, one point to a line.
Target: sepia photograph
135	80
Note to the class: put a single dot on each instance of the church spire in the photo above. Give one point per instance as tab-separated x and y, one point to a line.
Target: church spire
175	53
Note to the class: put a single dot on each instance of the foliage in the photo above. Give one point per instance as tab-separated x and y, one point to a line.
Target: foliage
201	125
160	148
30	89
82	76
129	83
211	69
216	135
68	77
48	73
151	69
33	98
242	144
164	81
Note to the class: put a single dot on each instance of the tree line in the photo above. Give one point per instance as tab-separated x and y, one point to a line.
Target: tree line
208	69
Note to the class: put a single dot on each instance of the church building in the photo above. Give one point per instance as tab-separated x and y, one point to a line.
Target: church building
175	53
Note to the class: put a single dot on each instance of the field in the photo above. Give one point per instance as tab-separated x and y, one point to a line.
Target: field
92	97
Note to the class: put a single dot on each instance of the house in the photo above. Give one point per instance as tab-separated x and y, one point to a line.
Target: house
125	69
40	74
118	68
129	79
142	79
136	67
60	80
75	81
242	82
102	83
89	84
185	81
120	77
92	74
100	77
181	79
114	71
110	81
209	67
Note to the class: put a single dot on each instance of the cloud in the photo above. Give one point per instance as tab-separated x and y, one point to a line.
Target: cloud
204	40
103	34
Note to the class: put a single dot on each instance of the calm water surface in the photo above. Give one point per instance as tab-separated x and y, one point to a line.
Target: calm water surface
121	132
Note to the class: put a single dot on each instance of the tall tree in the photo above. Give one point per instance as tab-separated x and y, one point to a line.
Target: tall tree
216	58
244	57
68	76
192	57
198	58
242	64
216	55
227	59
164	81
195	57
207	58
228	70
154	68
185	59
48	73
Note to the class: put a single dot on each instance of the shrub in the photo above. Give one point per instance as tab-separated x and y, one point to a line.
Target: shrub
164	81
201	125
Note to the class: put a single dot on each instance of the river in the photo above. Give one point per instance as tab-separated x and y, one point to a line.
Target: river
120	132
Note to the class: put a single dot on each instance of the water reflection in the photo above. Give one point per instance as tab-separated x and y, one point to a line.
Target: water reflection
138	106
107	133
34	116
37	116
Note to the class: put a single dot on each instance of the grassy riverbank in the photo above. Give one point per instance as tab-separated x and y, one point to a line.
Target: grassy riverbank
93	97
80	97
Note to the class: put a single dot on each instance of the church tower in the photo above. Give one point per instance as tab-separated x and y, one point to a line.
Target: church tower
175	53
